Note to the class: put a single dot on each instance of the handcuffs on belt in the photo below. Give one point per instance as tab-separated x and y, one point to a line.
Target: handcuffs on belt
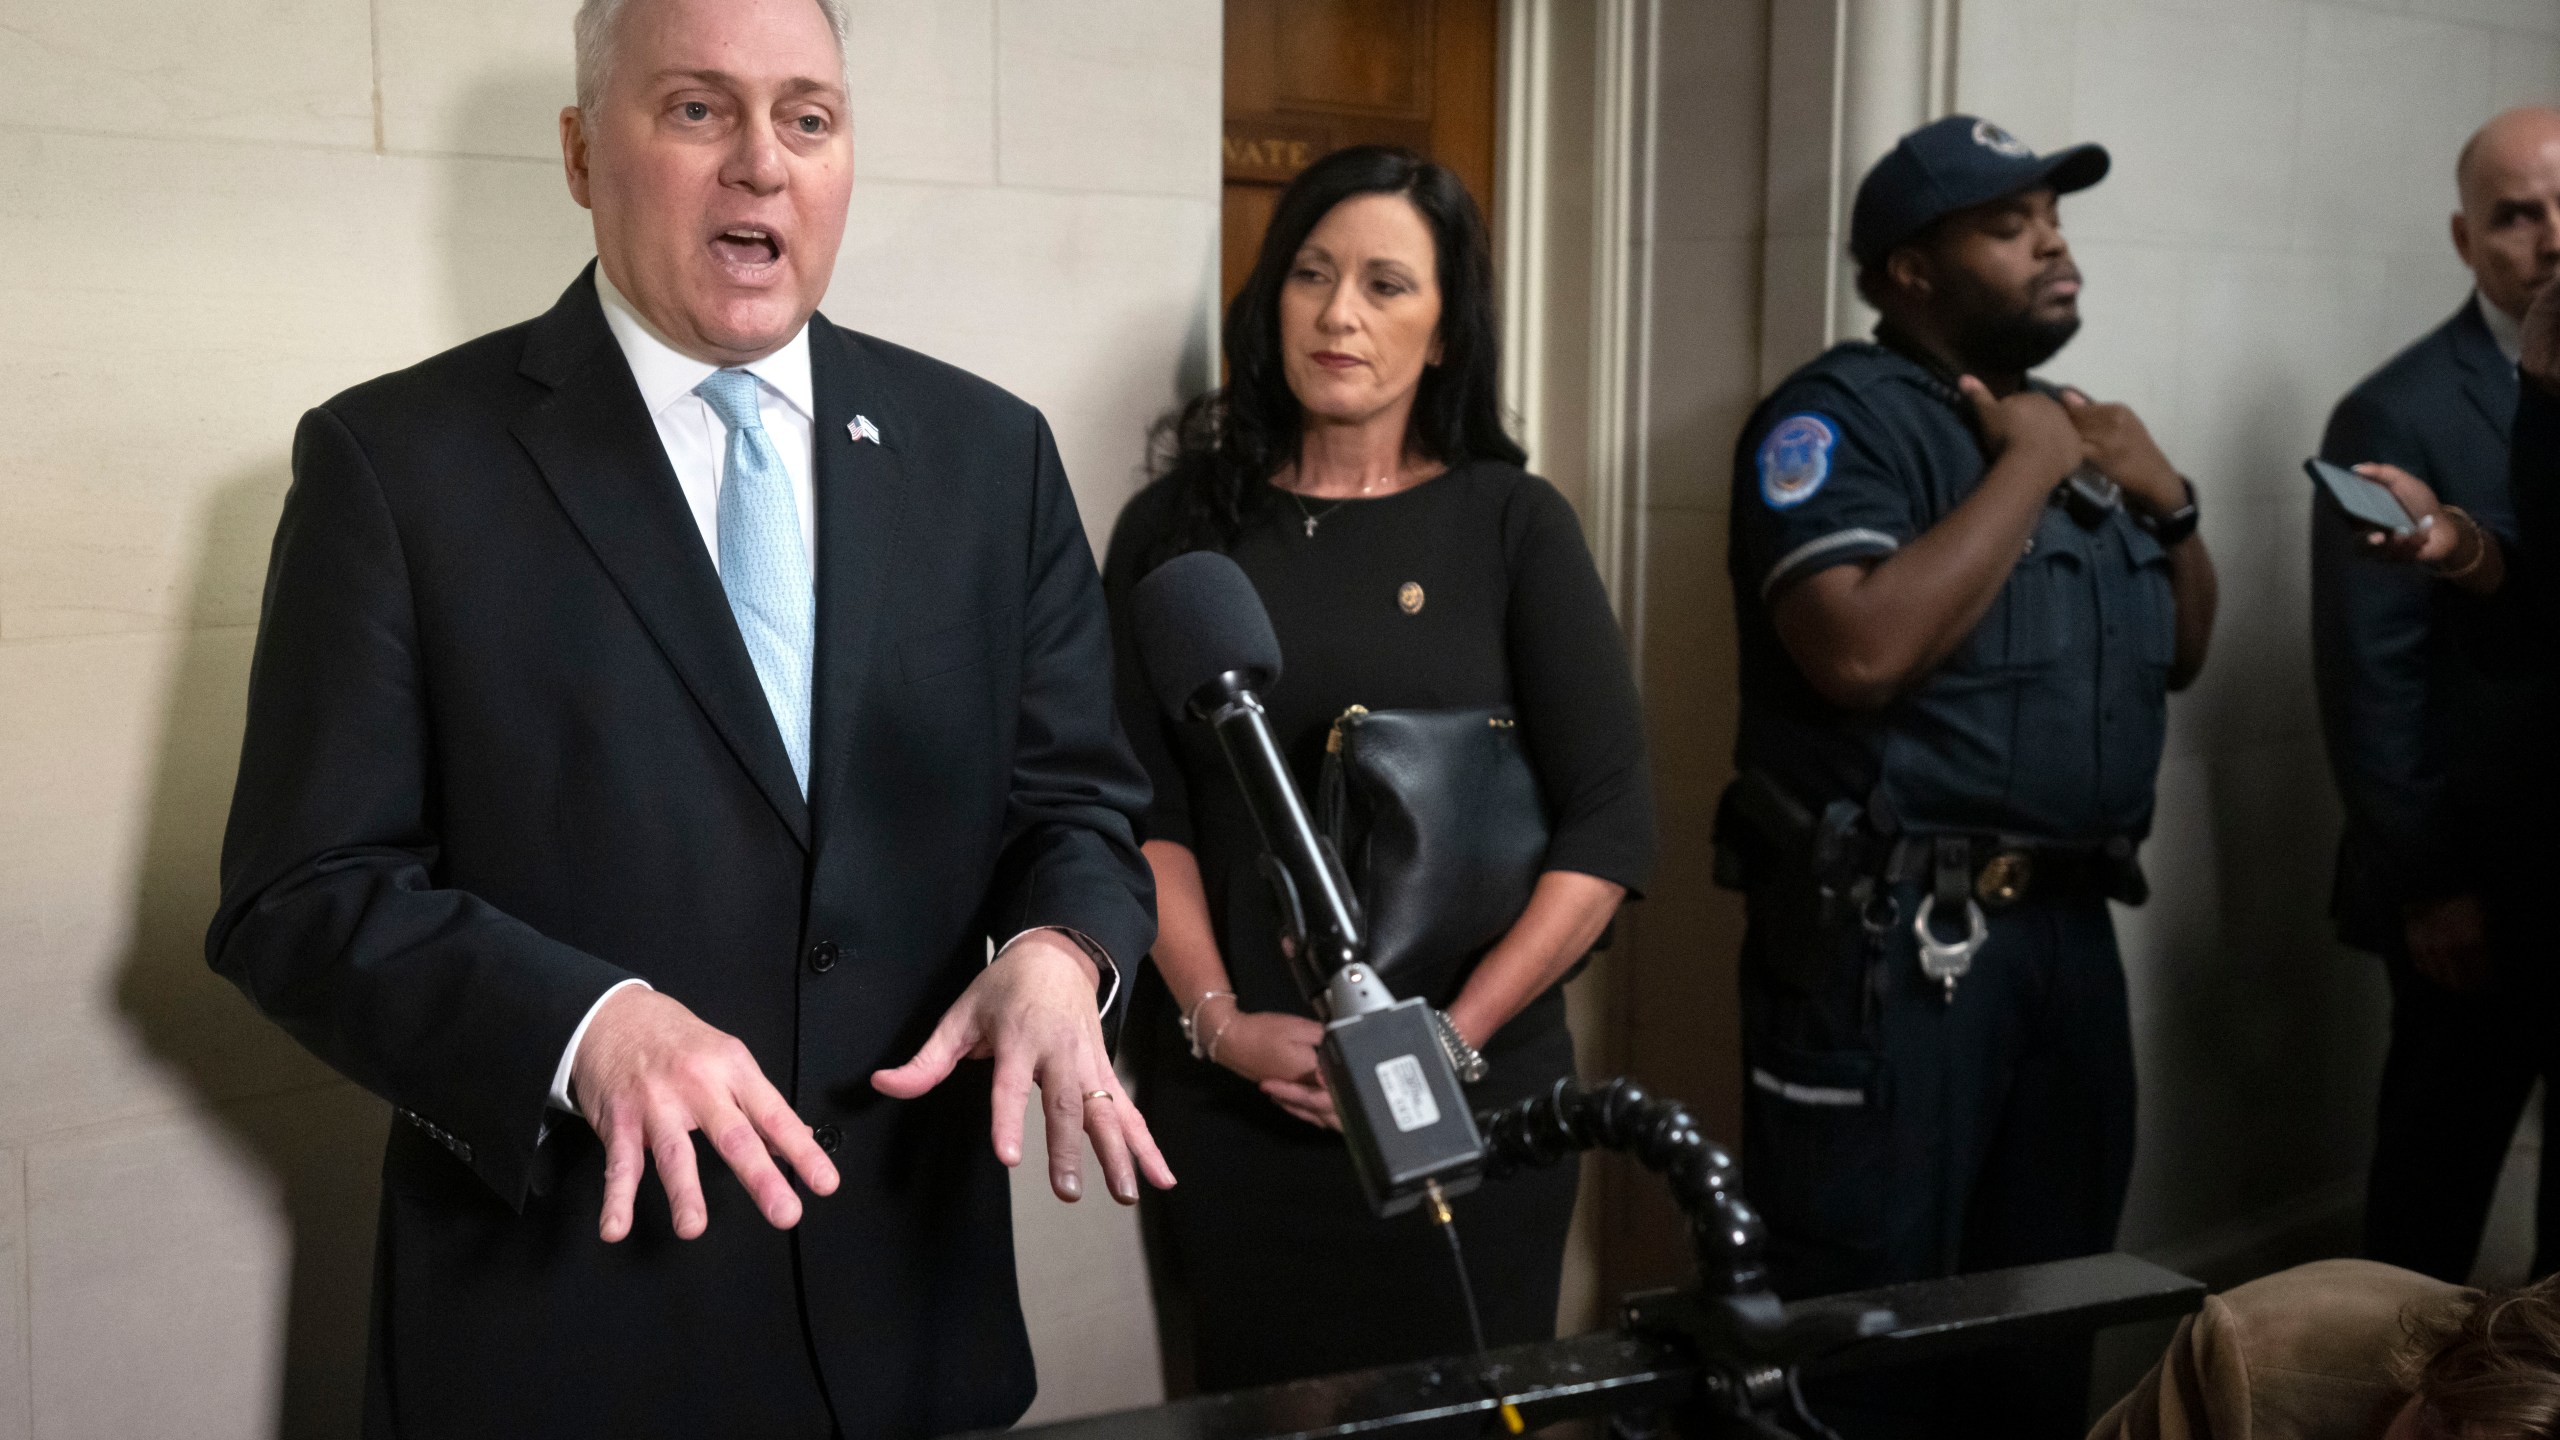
1947	961
2001	881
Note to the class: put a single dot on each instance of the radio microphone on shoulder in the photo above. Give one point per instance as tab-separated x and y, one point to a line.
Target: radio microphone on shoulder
1208	650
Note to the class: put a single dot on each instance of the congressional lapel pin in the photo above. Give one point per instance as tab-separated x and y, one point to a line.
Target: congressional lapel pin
861	428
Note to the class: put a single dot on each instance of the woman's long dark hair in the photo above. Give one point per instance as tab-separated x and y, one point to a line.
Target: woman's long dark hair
1219	449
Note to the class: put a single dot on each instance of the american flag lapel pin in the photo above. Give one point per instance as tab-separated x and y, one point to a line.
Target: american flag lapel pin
861	428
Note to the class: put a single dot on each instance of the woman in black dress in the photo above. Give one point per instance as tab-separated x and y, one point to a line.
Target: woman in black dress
1356	468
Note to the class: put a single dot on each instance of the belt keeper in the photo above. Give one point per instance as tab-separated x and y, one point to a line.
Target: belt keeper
1953	882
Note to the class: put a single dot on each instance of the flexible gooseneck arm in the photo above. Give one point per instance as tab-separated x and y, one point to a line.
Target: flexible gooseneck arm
1661	1135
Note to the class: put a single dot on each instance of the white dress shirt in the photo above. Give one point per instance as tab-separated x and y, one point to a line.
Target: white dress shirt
696	443
2504	328
694	438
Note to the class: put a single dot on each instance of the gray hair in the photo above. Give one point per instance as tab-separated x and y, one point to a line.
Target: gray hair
599	20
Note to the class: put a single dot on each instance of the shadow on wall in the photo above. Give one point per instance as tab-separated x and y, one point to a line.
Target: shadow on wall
318	1141
510	239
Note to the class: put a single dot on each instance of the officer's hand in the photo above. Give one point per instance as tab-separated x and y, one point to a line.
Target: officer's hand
2433	537
2027	427
2449	943
2120	445
2540	360
649	1073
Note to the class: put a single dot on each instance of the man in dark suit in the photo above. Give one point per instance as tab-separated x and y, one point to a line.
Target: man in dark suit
2439	733
663	711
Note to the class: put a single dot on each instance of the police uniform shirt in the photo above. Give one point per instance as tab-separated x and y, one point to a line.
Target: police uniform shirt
2046	722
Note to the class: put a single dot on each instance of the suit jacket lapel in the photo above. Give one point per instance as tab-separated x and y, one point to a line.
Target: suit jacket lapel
599	451
862	495
2487	376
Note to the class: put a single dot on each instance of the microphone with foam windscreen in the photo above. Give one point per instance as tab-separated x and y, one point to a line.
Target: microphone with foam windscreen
1206	645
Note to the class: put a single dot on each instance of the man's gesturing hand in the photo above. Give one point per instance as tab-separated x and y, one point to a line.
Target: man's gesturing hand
1033	1011
649	1074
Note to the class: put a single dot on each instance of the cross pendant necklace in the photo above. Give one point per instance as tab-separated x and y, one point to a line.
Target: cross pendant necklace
1314	518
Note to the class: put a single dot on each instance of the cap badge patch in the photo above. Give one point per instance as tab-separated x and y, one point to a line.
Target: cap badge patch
1998	141
1795	459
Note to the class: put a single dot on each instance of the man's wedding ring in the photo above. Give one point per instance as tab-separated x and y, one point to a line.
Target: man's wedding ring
1097	1094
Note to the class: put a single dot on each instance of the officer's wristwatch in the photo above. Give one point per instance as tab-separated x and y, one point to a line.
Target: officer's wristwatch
2176	525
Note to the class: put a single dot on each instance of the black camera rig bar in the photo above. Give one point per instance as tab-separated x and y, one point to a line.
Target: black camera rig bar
1716	1358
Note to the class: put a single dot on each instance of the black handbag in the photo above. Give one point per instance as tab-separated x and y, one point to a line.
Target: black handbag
1438	818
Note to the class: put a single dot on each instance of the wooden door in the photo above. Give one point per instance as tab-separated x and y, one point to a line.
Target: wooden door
1309	77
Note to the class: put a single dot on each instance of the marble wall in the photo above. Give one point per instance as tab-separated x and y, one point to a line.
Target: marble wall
218	214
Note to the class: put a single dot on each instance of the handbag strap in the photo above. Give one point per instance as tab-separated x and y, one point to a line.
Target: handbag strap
1332	798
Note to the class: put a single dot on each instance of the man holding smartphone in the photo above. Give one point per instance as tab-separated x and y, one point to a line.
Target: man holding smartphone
2438	726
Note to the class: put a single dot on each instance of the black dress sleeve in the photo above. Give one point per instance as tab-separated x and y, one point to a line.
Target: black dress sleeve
1142	525
1576	697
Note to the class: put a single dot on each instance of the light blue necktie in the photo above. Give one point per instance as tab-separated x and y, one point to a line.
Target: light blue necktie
763	564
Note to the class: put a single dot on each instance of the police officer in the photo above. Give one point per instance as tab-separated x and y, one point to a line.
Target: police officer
1963	597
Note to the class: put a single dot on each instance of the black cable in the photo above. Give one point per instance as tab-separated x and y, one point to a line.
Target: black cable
1467	1295
1804	1416
1436	1206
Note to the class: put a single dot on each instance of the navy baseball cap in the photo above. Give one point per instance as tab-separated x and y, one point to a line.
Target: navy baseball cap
1955	164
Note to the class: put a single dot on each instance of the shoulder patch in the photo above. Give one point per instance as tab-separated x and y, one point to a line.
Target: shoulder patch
1795	458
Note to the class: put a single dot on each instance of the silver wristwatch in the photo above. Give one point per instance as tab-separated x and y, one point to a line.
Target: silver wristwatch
1463	1057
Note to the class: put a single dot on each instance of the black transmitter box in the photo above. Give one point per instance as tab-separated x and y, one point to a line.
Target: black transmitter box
1401	1106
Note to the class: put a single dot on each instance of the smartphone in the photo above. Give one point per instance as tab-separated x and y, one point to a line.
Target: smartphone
2367	502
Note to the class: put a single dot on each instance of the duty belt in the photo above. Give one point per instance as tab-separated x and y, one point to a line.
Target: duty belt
1839	865
1994	872
2005	870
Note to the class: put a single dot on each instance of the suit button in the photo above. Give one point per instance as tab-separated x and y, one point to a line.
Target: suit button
822	956
829	1137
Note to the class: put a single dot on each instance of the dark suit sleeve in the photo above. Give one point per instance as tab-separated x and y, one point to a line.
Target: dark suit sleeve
1071	855
331	918
2369	635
